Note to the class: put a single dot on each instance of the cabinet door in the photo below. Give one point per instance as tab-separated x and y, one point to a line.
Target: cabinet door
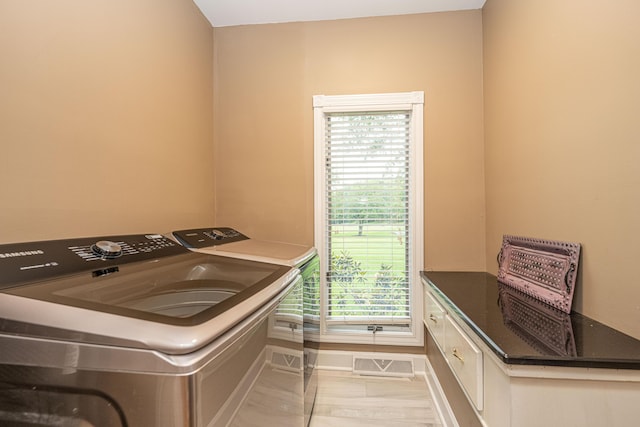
465	360
434	316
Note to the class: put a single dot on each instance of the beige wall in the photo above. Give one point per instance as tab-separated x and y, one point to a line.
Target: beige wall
107	112
105	118
265	77
562	132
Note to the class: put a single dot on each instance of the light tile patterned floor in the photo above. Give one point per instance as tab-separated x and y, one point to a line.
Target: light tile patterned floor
275	400
346	400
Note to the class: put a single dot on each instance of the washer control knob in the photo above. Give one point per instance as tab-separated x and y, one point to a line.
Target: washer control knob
107	249
217	234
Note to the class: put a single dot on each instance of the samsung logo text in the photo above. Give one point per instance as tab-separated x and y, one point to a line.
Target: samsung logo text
20	254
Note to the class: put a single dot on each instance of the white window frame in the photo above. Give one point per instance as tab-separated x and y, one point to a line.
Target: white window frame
403	101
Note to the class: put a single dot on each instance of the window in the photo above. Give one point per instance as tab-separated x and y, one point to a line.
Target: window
368	186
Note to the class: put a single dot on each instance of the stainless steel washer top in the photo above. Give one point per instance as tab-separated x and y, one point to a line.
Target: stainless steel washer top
228	242
139	291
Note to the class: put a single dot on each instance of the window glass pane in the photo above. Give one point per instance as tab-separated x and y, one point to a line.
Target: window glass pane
367	218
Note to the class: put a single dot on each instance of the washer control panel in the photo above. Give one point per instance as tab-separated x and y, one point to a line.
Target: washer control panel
205	237
22	263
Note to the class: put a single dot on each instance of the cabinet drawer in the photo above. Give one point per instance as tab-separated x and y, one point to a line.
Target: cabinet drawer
465	360
434	316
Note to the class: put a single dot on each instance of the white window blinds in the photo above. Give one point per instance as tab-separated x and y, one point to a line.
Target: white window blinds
367	217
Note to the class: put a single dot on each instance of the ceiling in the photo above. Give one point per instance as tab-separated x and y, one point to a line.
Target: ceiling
224	13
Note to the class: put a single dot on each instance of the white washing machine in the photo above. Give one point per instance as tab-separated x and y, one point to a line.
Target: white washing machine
228	242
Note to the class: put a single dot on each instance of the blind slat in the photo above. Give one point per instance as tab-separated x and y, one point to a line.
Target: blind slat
367	158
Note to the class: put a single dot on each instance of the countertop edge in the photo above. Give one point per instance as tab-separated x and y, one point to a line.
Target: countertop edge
526	360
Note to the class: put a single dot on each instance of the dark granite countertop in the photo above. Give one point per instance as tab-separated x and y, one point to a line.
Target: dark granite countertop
523	331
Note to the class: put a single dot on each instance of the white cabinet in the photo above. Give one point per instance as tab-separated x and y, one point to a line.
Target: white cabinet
434	316
462	355
465	360
514	395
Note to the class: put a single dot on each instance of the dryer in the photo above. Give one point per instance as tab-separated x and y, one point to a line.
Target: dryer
228	242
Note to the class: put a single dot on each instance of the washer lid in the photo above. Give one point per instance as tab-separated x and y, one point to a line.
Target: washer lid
265	251
231	243
174	303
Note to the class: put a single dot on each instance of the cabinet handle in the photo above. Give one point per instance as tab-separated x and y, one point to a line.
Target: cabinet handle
457	355
433	318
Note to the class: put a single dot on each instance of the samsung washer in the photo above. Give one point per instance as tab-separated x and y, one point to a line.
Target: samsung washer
228	242
136	330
